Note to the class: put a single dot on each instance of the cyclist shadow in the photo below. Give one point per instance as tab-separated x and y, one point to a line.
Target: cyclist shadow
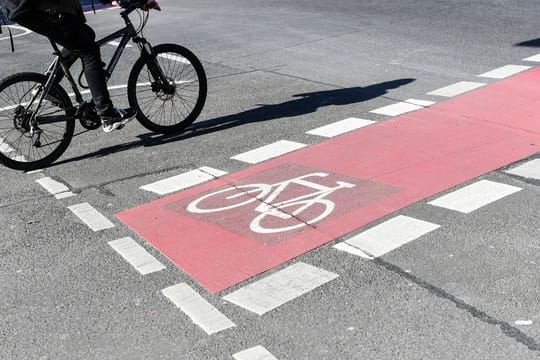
302	104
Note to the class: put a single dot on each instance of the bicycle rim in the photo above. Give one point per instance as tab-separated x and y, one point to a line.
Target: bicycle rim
32	137
168	111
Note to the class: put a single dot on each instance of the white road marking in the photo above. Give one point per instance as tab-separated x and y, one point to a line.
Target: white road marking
475	196
396	109
387	236
279	288
255	353
175	58
530	169
25	32
423	103
65	195
457	88
91	217
534	58
504	72
33	171
52	186
136	255
523	322
116	43
183	181
202	313
269	151
340	127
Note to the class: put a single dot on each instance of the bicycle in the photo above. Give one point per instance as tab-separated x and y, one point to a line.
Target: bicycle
242	195
167	87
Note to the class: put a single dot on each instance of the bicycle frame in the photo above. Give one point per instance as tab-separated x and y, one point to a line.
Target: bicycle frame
126	34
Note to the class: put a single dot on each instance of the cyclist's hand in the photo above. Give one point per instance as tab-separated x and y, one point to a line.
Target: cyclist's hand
152	4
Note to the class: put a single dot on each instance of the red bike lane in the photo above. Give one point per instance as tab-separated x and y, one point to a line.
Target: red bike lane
382	169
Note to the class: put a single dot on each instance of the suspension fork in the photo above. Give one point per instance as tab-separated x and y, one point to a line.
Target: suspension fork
153	65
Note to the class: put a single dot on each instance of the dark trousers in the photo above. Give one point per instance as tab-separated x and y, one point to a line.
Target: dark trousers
78	40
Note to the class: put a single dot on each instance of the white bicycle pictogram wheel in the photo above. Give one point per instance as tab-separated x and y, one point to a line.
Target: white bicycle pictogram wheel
278	212
229	198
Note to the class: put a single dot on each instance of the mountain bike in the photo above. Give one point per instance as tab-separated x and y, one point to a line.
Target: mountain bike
167	87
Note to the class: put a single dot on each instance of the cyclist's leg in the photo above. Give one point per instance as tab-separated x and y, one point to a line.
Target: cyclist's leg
72	33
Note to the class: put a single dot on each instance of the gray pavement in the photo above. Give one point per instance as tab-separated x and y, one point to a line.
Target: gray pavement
455	293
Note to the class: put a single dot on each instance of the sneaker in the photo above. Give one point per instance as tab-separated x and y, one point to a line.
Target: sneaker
119	118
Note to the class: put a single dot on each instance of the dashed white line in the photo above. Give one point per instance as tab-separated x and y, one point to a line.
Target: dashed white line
505	71
396	109
340	127
136	255
387	236
116	43
202	313
534	58
183	181
279	288
65	195
91	217
530	169
254	353
269	151
423	103
475	196
52	186
457	88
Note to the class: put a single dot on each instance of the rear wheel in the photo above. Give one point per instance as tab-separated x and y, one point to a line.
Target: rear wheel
174	106
31	137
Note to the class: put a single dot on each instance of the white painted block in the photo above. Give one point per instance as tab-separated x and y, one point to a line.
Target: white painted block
396	109
52	186
504	72
269	151
91	217
65	195
474	196
457	88
340	127
183	181
388	236
530	169
534	58
279	288
423	103
200	311
136	255
255	353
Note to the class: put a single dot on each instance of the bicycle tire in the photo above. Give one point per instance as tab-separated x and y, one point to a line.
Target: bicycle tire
56	148
177	54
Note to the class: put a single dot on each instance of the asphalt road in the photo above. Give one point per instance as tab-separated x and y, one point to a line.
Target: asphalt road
468	290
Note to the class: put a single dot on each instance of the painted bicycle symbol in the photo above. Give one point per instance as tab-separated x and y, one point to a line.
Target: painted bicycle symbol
315	203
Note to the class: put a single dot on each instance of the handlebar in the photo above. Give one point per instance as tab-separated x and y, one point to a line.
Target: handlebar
131	5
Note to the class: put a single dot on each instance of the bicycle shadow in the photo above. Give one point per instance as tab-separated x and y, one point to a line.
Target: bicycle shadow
529	43
301	104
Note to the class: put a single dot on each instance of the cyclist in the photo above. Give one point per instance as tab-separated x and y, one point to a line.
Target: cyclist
63	21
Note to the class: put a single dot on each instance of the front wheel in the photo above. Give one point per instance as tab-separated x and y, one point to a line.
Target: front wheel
172	107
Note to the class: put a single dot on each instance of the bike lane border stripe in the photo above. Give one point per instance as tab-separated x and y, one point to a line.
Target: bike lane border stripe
136	256
505	71
340	127
269	151
280	288
386	237
91	217
200	311
474	196
254	353
530	169
457	89
184	180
